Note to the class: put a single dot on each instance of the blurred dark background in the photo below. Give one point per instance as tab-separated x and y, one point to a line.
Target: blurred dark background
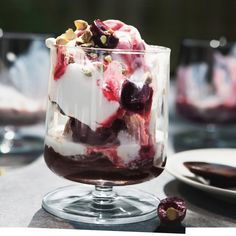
162	22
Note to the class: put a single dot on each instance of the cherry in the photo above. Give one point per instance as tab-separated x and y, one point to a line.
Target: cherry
103	135
103	35
136	99
171	210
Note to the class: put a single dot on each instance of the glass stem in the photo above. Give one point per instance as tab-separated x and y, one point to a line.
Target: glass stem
103	197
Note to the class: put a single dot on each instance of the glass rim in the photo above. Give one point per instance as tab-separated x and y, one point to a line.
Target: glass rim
152	49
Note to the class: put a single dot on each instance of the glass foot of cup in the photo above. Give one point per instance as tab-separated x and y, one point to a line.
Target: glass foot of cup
101	205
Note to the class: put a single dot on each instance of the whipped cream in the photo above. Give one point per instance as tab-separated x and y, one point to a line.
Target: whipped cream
129	149
80	96
129	37
62	144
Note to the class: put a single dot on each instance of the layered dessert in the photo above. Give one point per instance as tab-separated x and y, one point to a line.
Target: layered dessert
103	106
206	92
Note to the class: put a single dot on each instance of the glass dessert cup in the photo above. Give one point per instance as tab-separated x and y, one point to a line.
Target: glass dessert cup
106	126
206	94
24	66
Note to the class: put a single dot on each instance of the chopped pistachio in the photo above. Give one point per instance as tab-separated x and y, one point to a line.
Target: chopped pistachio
87	72
86	36
103	39
108	58
61	40
110	31
80	24
70	34
171	213
148	78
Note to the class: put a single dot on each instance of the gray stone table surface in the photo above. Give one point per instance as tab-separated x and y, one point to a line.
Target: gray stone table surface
22	190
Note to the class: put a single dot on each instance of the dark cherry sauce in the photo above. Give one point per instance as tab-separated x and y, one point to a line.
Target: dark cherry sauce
96	168
84	134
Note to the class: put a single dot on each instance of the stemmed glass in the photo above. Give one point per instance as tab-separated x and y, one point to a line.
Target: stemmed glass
24	64
106	126
206	93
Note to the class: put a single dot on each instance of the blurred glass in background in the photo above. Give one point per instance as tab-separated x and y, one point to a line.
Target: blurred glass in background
24	69
206	93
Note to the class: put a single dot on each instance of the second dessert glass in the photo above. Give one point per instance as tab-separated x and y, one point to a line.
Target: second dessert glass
206	86
107	123
24	66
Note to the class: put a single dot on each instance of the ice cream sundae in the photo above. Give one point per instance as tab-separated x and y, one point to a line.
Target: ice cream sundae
106	118
206	83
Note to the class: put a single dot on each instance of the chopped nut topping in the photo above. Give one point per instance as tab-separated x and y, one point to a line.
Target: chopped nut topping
103	39
148	80
70	34
80	24
86	36
171	213
61	40
108	58
87	72
79	41
110	31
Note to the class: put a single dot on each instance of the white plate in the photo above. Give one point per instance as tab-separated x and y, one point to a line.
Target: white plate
220	156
